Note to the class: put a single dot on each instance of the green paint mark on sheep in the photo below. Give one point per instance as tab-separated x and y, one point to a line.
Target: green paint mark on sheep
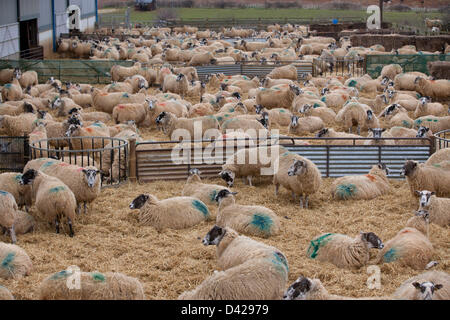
212	195
60	275
282	111
18	177
406	123
200	206
437	165
4	193
352	83
262	221
8	260
317	243
280	262
219	118
8	85
125	95
345	191
390	255
47	164
418	95
316	105
231	110
57	189
99	125
97	276
286	154
323	99
418	121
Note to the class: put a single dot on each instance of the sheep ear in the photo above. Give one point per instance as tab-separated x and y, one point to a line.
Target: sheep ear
438	286
433	193
417	192
416	285
234	193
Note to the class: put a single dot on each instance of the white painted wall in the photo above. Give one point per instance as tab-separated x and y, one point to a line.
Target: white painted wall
9	39
46	41
87	24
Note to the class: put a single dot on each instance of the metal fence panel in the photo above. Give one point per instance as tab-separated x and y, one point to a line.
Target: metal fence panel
409	62
227	69
14	153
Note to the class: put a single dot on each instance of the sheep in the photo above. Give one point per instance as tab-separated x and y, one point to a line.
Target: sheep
326	114
6	76
119	73
91	116
28	78
276	97
285	72
24	223
405	81
194	187
12	110
137	112
369	186
12	91
439	69
379	134
250	220
268	82
80	136
172	213
5	294
335	99
436	89
331	133
439	156
435	124
280	116
391	71
396	116
409	247
433	23
251	269
202	58
312	289
425	108
8	213
201	109
170	123
189	72
9	182
298	175
401	132
197	89
38	139
84	182
176	84
93	286
15	262
244	124
107	101
64	105
353	113
172	106
430	285
437	208
52	198
301	126
423	177
249	162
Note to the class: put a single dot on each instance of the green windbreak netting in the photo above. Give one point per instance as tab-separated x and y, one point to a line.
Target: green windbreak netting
409	62
84	71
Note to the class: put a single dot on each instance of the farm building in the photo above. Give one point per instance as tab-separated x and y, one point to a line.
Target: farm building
32	26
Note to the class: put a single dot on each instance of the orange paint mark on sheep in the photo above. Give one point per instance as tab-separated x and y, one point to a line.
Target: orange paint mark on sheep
89	130
103	93
121	106
163	104
344	97
371	177
406	231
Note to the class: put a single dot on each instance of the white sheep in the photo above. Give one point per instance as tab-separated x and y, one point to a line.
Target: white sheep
423	177
438	208
369	186
298	175
250	220
305	125
173	213
426	108
8	213
16	263
326	114
430	285
170	123
176	84
436	89
435	124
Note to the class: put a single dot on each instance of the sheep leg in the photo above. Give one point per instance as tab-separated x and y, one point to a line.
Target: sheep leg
85	207
57	225
244	180
13	235
306	202
358	129
293	196
301	201
69	222
78	208
277	186
350	130
249	178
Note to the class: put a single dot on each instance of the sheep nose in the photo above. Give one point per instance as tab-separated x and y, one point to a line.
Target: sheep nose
381	246
131	206
205	243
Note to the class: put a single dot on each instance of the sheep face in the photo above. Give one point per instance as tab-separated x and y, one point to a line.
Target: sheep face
194	171
382	166
377	132
90	176
424	197
237	95
17	73
160	117
139	201
28	177
369	115
298	168
422	131
294	122
426	289
214	236
72	129
372	240
409	168
56	103
223	194
304	108
298	290
228	176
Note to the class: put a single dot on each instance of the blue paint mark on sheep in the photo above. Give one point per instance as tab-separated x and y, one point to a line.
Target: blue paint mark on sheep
57	189
316	105
280	262
315	244
8	260
97	276
282	111
262	222
8	85
406	123
418	121
323	99
200	206
4	193
60	275
345	191
231	110
99	125
47	164
390	255
212	195
125	95
352	83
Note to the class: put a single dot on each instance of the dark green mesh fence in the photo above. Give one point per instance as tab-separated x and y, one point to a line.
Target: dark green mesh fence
84	71
409	62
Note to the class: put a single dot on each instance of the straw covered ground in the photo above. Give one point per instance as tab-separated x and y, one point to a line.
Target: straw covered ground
109	238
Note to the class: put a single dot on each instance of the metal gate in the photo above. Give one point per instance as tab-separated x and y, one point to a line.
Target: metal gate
14	153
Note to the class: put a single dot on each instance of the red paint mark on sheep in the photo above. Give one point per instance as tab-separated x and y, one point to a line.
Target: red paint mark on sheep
89	130
371	177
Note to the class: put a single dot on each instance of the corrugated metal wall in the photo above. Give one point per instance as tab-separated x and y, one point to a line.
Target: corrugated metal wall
29	9
8	12
87	7
45	17
9	39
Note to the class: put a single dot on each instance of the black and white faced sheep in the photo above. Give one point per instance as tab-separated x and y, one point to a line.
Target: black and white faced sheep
342	250
250	220
430	285
52	198
173	213
252	270
437	208
298	175
423	177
